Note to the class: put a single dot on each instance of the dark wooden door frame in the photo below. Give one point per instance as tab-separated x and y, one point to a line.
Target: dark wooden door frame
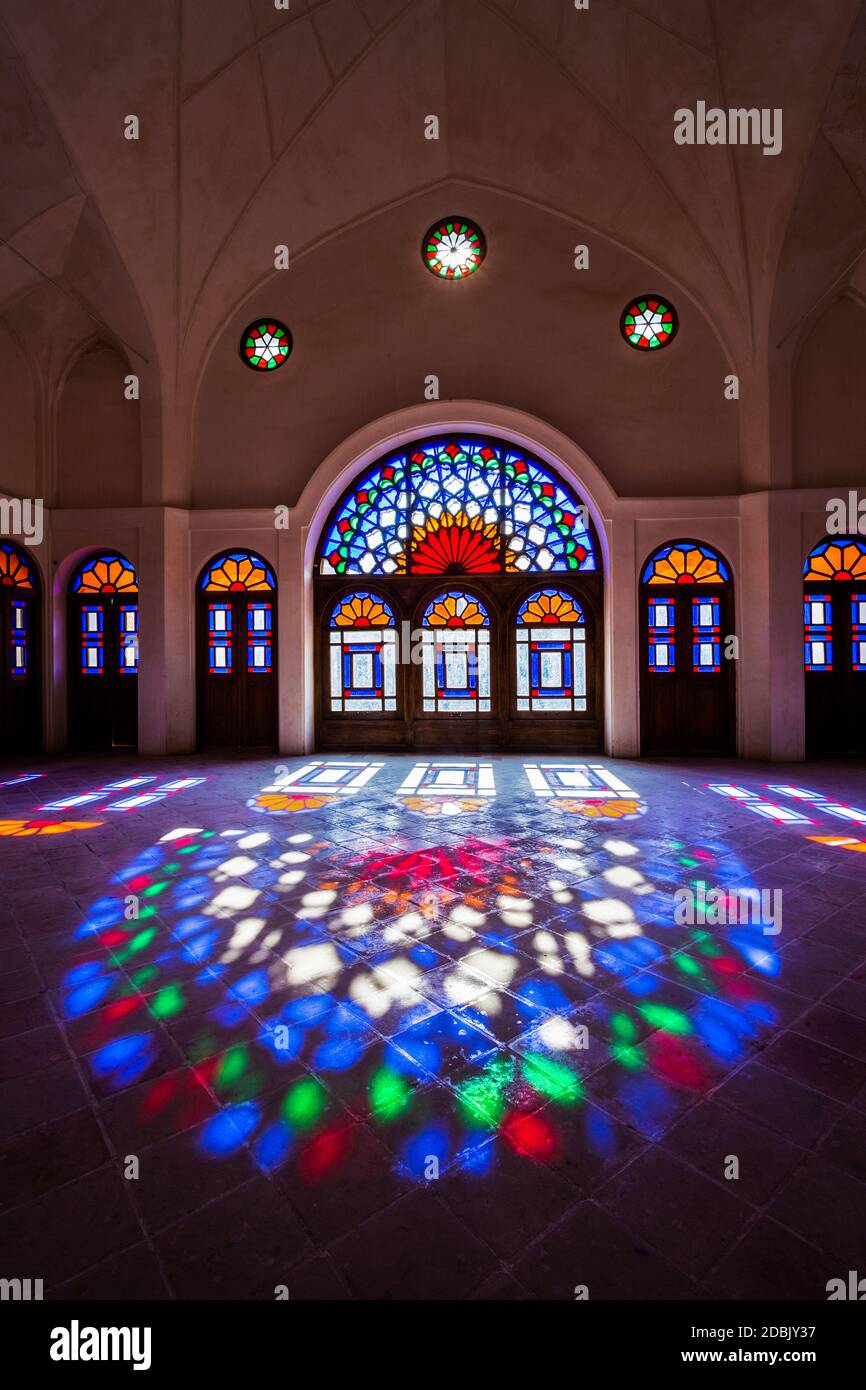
240	677
684	682
115	688
834	722
21	728
504	728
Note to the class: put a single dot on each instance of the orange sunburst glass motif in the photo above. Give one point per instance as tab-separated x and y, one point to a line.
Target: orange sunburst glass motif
686	562
842	559
106	574
456	545
456	610
15	573
549	606
238	571
362	610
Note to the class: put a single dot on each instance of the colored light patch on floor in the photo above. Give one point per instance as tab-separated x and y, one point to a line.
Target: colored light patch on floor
20	779
130	803
312	787
839	842
577	782
448	789
45	827
615	808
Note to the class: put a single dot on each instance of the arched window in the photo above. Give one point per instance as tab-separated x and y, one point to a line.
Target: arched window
456	655
834	619
103	653
363	637
416	527
236	652
20	694
458	506
687	689
551	653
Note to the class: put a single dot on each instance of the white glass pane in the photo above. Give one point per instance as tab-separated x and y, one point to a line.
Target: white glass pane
484	676
550	702
522	674
818	657
362	670
580	667
705	614
429	655
336	675
456	670
551	671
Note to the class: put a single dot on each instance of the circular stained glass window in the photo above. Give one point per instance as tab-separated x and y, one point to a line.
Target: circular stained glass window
649	322
453	248
265	345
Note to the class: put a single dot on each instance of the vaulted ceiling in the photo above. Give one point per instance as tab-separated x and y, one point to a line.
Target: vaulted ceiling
305	126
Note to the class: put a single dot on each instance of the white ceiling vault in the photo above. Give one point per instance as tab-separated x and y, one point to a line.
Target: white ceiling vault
261	126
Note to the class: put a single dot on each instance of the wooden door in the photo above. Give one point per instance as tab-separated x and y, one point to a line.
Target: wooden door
237	672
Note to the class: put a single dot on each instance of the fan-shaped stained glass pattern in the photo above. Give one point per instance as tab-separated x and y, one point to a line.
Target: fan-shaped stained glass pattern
686	562
15	572
362	610
458	506
456	610
238	571
454	248
649	322
265	345
550	607
105	574
844	558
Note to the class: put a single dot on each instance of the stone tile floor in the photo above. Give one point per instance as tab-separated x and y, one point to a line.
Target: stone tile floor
368	1051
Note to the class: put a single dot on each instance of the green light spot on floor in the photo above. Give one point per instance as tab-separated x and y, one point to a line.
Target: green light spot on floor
552	1079
481	1102
687	965
629	1057
168	1002
669	1020
232	1066
304	1103
155	889
623	1027
144	976
390	1094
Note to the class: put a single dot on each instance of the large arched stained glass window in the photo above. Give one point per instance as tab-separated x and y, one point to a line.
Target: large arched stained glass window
456	655
458	506
551	653
363	651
